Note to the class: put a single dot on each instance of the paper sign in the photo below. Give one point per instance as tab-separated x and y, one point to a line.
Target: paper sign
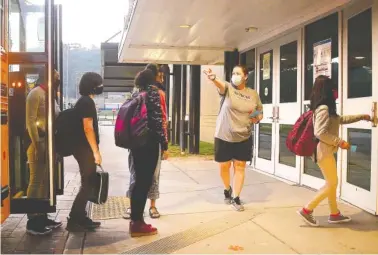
266	66
353	148
323	58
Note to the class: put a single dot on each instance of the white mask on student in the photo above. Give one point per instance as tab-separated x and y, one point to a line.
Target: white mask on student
236	80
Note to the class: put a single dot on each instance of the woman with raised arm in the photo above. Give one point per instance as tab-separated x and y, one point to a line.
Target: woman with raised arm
241	108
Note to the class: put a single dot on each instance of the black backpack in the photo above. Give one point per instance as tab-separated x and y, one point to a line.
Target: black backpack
67	132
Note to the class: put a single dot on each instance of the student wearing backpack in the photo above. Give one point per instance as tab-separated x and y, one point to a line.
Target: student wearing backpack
145	157
241	108
326	129
153	193
87	151
36	113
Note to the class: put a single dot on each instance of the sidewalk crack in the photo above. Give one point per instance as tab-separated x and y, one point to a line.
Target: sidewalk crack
83	243
276	237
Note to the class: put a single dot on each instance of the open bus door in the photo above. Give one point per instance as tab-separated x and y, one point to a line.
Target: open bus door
34	54
5	201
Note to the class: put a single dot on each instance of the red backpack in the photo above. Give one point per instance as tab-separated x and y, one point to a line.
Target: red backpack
301	139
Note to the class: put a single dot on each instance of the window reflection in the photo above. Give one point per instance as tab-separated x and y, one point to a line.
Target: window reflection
288	73
326	28
27	26
360	75
286	157
265	141
359	158
311	168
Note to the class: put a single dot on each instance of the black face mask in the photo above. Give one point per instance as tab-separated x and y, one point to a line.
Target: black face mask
98	90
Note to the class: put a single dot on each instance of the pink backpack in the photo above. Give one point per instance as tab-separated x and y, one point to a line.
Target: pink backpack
301	139
131	127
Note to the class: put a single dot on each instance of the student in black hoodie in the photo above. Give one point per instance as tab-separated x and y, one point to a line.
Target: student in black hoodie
153	193
87	154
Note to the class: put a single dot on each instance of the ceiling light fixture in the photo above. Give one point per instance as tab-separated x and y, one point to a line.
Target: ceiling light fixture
185	26
359	57
250	29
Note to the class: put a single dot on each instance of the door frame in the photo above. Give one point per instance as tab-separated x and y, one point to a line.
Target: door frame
306	179
281	170
268	109
349	192
33	205
272	166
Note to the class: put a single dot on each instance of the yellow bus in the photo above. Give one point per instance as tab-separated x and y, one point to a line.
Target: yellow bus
31	41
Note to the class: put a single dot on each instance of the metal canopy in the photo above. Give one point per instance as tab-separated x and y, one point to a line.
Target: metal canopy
199	31
118	77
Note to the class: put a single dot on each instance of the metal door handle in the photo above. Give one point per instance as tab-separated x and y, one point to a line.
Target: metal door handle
374	114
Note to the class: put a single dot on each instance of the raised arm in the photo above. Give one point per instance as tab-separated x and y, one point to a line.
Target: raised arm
348	119
221	85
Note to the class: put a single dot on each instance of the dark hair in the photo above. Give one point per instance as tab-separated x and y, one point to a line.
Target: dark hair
243	68
42	76
322	94
154	68
88	82
144	78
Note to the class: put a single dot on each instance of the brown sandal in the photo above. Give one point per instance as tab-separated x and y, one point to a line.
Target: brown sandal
127	214
154	213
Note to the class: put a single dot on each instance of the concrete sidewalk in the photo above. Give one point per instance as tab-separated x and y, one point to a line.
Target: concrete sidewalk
195	219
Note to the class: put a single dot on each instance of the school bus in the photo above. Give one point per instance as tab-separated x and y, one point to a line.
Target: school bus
31	41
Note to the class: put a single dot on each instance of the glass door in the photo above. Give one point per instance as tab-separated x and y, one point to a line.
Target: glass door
264	131
58	65
360	164
31	64
287	165
323	32
279	90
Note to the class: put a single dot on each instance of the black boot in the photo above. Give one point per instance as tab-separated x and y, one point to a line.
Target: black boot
80	225
37	226
53	224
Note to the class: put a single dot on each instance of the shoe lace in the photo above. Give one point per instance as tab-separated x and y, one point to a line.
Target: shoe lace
311	217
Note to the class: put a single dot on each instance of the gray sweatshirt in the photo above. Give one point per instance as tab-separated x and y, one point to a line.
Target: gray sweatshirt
36	113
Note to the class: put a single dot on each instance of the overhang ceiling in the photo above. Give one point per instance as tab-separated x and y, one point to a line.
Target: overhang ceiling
153	32
118	77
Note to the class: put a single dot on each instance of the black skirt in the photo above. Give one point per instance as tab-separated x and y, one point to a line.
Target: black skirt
227	151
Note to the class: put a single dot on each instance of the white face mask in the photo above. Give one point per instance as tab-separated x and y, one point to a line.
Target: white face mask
236	80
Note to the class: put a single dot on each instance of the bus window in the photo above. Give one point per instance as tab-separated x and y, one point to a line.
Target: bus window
26	26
